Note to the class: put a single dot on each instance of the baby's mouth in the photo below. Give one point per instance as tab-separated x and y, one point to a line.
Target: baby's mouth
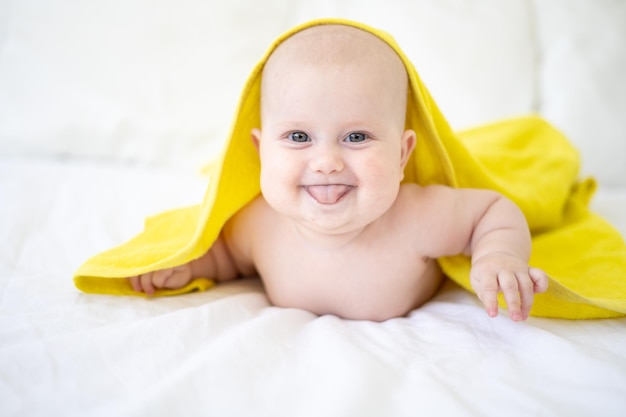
328	193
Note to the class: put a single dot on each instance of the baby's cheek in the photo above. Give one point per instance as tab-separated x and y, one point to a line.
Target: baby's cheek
384	183
278	184
381	173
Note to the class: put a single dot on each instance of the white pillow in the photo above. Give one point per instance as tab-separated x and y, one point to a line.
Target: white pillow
141	81
583	80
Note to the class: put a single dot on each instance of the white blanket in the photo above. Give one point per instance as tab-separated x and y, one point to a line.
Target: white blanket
227	352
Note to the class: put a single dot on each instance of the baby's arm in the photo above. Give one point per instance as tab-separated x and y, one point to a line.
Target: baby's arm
500	247
228	258
493	231
217	263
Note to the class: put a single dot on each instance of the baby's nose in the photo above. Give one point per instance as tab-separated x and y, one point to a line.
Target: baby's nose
326	159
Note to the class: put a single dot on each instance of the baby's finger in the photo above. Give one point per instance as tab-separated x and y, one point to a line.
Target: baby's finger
160	278
146	283
134	282
488	294
526	293
510	289
178	278
540	280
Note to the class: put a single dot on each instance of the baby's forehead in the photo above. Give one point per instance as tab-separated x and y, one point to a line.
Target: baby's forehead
335	50
334	45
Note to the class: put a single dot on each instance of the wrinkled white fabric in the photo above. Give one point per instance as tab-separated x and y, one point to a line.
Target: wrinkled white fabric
228	352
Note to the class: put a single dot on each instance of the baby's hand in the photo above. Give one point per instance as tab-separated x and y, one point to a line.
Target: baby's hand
501	272
171	278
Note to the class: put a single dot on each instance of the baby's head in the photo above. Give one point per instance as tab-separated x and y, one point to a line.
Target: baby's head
343	49
333	144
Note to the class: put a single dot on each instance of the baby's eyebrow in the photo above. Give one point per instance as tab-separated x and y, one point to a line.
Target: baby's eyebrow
291	125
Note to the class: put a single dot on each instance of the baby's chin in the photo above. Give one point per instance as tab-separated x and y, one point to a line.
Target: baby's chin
334	211
332	229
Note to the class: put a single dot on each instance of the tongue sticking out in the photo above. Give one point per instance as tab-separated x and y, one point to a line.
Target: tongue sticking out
328	194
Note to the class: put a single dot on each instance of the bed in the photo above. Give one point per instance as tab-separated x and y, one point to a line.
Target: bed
103	121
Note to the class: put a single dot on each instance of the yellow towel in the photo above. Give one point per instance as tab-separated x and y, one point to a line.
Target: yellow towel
525	158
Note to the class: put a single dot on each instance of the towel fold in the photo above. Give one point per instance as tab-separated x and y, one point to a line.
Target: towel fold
524	158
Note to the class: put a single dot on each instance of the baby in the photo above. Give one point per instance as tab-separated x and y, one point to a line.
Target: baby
334	231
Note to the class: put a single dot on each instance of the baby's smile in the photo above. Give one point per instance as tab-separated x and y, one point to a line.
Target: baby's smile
328	193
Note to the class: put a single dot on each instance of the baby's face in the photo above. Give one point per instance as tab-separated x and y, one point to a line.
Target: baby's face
332	146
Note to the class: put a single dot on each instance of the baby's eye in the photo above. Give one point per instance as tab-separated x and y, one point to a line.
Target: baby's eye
356	137
299	137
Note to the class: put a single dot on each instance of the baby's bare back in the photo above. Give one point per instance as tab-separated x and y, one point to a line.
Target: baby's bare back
376	274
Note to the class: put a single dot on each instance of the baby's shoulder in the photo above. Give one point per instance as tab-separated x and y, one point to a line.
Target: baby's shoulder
426	204
414	194
254	213
444	203
248	225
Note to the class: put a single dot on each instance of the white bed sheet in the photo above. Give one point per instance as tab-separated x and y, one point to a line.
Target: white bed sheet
227	352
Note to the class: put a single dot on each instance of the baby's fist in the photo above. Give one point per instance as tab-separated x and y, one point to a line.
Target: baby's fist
171	278
513	277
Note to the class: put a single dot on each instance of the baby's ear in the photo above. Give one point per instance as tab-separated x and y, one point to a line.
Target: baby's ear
408	144
255	136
